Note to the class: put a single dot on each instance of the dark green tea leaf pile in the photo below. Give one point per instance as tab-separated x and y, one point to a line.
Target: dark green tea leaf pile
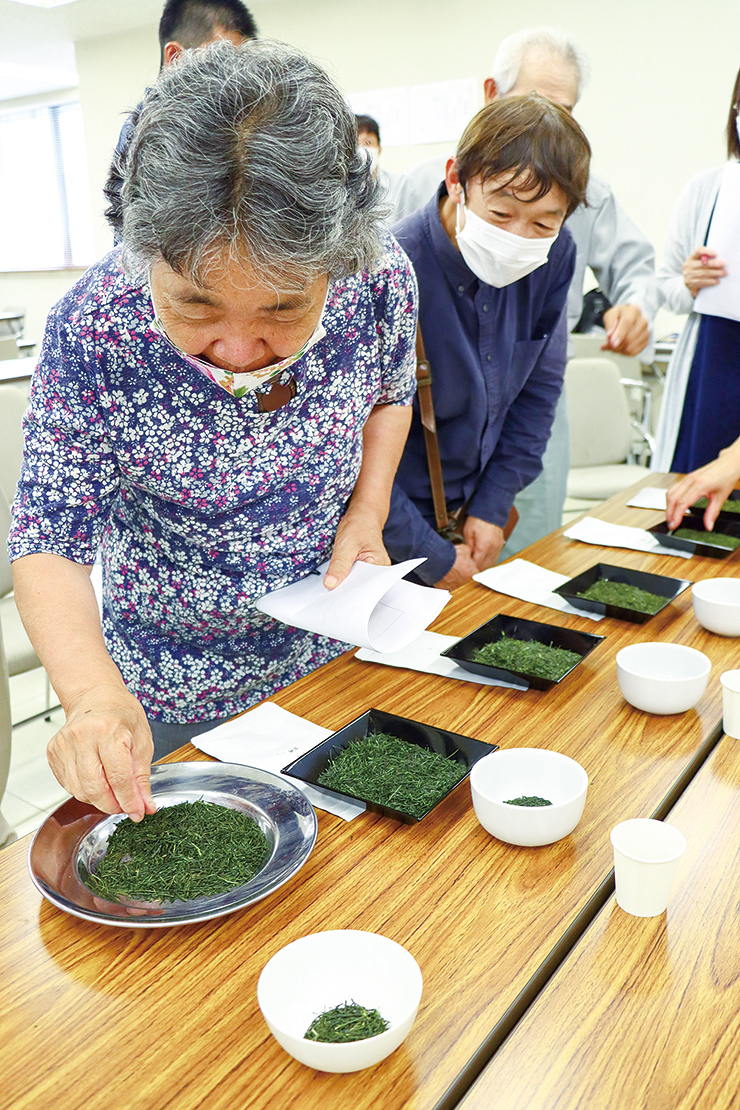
392	772
731	506
716	539
624	595
527	657
178	853
528	800
348	1022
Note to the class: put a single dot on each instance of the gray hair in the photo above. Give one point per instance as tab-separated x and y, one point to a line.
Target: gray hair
249	151
513	50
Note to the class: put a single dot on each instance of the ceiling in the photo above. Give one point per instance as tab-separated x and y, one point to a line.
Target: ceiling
37	44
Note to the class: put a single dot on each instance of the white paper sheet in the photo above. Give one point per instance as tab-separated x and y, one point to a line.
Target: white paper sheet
425	655
390	107
649	498
439	112
373	607
591	530
724	238
530	582
269	737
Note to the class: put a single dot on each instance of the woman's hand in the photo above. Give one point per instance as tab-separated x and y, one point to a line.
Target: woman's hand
461	571
103	753
702	269
716	481
359	537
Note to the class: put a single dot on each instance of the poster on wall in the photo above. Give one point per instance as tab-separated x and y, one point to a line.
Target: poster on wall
418	114
439	113
390	109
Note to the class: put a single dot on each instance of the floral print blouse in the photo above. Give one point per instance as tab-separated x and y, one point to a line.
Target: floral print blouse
198	503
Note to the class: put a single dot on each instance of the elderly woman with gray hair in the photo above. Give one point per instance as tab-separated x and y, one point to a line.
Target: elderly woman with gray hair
219	406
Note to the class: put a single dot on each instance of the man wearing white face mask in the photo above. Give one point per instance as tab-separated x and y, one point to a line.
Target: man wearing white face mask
494	269
548	61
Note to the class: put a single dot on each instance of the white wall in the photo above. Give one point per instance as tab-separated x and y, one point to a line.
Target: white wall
114	72
655	109
36	292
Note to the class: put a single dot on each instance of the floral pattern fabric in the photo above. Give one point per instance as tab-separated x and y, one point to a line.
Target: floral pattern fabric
199	503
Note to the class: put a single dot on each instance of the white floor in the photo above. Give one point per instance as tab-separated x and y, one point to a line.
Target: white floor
32	792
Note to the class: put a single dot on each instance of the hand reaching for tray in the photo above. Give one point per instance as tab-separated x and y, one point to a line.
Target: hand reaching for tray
715	481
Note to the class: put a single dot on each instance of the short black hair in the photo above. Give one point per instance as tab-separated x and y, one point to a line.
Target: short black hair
367	123
194	22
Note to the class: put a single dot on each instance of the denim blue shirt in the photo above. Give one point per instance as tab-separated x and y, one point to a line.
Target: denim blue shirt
498	359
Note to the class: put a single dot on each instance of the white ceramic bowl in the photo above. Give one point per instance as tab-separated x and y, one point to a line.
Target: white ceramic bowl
519	772
324	970
717	605
662	678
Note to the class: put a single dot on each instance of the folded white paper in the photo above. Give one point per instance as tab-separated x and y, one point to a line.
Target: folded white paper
724	237
269	737
591	530
649	498
530	582
373	607
425	655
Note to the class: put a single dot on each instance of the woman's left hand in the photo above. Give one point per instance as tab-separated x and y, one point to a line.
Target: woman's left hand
359	537
485	541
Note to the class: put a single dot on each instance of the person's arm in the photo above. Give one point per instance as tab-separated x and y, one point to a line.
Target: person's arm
408	535
69	482
715	481
392	299
685	233
360	531
623	262
103	752
517	458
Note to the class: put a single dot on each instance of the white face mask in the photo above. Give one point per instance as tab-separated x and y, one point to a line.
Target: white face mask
495	256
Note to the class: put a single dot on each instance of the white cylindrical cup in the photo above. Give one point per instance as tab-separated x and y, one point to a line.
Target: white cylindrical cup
646	855
731	703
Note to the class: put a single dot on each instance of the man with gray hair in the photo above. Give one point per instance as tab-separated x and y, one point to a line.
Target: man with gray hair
549	62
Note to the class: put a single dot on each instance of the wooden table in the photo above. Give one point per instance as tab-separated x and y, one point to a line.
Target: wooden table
646	1011
101	1017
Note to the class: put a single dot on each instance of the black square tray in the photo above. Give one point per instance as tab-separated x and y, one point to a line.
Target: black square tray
660	584
698	510
712	551
464	749
520	629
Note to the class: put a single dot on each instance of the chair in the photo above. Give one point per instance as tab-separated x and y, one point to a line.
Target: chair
9	348
644	380
602	433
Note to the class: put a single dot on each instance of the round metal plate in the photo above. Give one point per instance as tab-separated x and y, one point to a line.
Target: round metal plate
77	834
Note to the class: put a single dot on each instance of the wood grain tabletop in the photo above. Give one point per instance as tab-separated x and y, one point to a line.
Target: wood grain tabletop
646	1011
102	1017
